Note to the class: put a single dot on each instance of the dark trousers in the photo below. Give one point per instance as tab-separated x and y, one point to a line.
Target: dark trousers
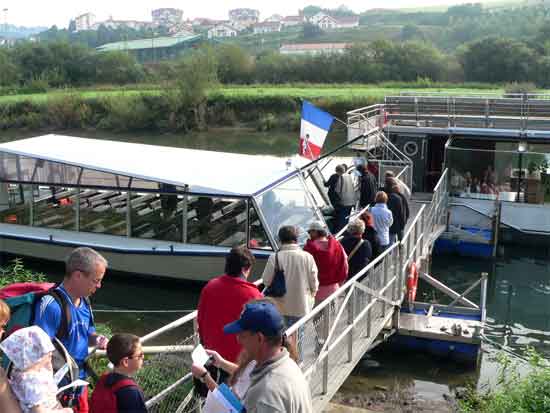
341	213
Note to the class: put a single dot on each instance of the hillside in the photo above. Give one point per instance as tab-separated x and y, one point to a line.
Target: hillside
19	32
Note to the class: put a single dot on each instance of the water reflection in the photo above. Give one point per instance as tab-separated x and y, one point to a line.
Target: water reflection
518	315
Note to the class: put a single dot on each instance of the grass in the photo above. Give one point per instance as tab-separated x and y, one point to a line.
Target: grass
336	92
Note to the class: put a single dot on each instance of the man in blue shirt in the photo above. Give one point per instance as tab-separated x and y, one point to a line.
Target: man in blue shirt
84	272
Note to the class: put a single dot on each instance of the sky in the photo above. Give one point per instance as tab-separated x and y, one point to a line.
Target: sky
59	12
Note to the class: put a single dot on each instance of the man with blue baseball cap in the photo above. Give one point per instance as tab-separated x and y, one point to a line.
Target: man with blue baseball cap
277	384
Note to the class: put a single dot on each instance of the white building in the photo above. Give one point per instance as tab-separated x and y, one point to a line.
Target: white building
222	30
267	27
313	48
243	17
274	18
167	17
347	22
328	22
84	22
317	17
290	21
131	24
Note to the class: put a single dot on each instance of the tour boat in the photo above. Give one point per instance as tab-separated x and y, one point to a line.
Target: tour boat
153	210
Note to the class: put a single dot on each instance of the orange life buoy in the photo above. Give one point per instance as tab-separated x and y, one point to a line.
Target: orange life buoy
412	282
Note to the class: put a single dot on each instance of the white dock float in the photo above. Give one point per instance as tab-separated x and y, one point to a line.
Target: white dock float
439	328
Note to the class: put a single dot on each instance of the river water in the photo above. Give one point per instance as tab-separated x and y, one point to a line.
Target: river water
518	295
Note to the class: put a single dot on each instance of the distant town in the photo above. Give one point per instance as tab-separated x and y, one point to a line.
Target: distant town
170	22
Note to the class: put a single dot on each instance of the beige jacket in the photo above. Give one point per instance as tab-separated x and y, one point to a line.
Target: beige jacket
300	278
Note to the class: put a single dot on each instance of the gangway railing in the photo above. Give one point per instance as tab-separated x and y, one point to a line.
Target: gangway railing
330	340
520	112
370	122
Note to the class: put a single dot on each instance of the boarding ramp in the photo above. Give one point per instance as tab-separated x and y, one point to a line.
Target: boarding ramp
366	134
330	340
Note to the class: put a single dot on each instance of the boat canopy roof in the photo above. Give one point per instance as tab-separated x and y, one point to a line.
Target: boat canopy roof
66	160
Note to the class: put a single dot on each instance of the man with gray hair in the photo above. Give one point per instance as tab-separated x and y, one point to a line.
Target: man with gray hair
66	313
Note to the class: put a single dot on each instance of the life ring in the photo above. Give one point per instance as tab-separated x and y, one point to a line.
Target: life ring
410	148
412	282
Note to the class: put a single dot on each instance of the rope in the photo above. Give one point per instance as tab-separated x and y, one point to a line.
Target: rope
502	347
142	311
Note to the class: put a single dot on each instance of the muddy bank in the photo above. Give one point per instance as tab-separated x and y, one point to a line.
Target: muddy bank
361	393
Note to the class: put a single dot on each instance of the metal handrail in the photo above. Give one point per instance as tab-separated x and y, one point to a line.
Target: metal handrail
338	292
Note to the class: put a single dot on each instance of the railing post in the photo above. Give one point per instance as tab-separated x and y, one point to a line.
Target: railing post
385	270
326	330
483	301
369	318
395	275
422	231
416	110
351	316
401	271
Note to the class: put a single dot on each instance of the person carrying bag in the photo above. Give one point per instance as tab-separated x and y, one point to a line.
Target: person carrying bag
277	288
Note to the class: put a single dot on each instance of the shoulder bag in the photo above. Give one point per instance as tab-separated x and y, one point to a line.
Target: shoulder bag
277	288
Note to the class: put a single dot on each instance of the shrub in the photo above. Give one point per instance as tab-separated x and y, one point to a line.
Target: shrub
67	112
527	394
36	85
516	88
15	272
266	122
126	114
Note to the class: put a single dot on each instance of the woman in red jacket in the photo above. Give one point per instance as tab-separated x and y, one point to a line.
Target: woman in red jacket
330	258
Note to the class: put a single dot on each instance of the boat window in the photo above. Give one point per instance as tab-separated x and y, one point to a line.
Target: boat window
157	216
314	182
103	212
15	201
287	204
497	170
216	221
258	236
54	207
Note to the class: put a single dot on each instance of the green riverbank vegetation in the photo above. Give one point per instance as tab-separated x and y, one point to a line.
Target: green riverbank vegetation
526	393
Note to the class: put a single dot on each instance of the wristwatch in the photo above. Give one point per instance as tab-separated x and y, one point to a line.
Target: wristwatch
202	378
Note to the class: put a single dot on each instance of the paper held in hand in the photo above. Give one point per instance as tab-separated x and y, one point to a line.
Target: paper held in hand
200	356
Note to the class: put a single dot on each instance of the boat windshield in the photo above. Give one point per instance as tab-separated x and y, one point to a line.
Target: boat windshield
288	204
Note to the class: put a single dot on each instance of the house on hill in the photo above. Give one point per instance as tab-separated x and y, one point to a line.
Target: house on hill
328	22
290	21
222	30
243	17
84	22
267	27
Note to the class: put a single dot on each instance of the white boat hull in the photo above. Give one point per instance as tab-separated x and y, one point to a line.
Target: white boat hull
126	255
